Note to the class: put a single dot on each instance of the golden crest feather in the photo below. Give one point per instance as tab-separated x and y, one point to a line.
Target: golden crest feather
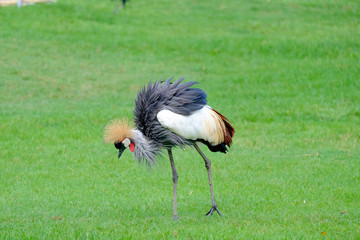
116	130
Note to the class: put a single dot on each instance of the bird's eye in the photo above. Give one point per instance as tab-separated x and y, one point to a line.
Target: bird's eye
126	142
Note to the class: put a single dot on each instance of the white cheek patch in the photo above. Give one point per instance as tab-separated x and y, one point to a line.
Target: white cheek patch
126	142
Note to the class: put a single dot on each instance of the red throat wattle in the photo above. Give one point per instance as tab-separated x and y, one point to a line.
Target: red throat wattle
132	147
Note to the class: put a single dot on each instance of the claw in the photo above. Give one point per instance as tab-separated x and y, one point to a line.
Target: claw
211	212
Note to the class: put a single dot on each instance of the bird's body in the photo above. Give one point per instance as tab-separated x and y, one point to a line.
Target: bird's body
168	115
203	124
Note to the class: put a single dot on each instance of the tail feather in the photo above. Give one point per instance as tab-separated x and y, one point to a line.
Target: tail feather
229	131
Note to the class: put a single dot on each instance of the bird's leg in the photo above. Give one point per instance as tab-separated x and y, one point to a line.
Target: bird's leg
208	167
117	8
174	178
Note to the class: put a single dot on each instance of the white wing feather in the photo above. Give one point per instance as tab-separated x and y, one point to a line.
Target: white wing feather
202	124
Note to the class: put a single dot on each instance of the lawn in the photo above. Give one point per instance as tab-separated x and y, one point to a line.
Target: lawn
285	73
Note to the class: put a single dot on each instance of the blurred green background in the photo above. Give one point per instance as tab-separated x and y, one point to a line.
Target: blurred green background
284	72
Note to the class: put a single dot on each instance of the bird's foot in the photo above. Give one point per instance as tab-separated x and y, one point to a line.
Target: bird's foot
211	212
175	217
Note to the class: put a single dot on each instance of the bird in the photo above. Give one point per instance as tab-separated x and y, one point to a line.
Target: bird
167	115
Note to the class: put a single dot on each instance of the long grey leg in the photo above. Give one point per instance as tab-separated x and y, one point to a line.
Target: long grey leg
208	167
117	8
174	178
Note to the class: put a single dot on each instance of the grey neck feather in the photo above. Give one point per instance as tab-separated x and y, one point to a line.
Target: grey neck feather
145	149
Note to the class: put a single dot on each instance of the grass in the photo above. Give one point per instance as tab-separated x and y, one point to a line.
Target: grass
286	73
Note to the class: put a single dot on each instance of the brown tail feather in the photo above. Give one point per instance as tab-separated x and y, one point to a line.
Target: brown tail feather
228	131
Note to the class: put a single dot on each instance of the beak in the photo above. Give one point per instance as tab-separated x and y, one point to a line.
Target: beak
121	148
120	152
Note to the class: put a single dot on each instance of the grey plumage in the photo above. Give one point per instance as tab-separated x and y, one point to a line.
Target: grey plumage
179	98
146	150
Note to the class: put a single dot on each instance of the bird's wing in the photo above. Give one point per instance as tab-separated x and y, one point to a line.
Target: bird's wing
203	124
176	97
182	99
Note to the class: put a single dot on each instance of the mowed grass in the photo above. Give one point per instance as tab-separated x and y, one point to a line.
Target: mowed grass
285	73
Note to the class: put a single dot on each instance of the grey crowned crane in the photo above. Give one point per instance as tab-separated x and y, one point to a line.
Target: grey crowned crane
171	115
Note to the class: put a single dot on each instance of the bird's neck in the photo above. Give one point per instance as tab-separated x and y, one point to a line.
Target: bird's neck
145	149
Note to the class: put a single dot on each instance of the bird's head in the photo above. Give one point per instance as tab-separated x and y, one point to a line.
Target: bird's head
120	134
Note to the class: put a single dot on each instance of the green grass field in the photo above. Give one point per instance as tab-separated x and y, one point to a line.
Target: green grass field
286	74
